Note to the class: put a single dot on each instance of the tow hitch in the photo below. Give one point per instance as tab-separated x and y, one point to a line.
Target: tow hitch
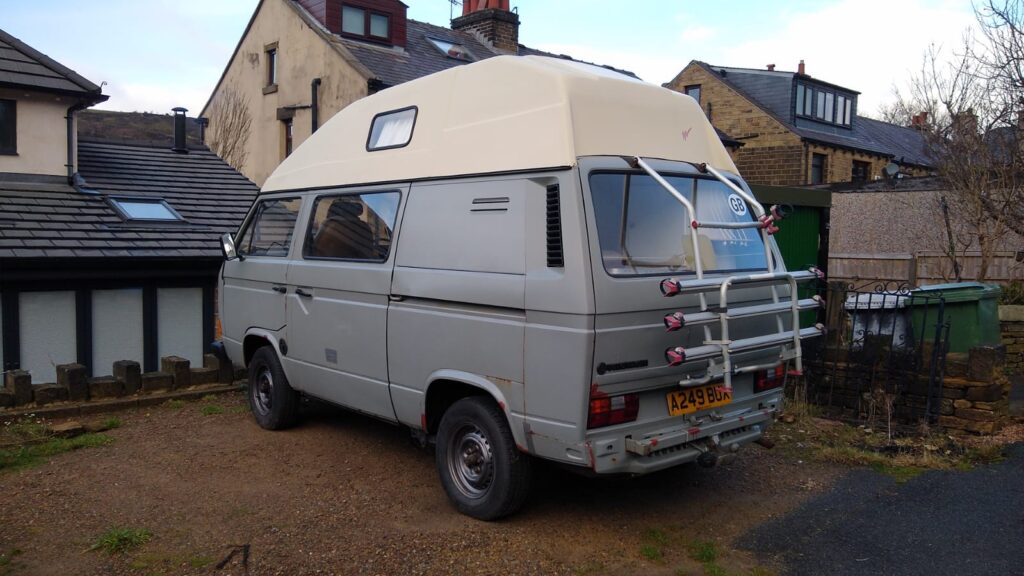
714	453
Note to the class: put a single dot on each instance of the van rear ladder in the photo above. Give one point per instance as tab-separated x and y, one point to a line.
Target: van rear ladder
718	353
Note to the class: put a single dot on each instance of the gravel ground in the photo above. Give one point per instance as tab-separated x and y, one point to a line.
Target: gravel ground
938	524
345	494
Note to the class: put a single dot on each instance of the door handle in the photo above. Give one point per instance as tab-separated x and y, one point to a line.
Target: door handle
279	289
303	293
396	297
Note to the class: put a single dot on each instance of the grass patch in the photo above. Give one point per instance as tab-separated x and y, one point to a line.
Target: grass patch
199	561
712	569
25	456
702	551
7	565
111	423
175	404
24	430
120	540
211	409
654	542
209	398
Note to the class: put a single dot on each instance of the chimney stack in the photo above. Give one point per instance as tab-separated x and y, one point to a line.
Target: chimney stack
180	146
492	22
919	120
771	67
801	69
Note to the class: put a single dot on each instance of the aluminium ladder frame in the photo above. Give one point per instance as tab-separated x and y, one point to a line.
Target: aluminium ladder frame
724	347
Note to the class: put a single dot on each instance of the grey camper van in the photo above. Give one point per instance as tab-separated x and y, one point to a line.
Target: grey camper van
518	258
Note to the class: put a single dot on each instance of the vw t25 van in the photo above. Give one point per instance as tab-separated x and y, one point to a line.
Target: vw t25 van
518	258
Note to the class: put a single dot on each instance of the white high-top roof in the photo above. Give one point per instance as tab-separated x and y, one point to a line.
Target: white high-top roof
502	114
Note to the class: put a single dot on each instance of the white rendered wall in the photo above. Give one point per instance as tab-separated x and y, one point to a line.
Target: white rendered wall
47	325
180	323
116	328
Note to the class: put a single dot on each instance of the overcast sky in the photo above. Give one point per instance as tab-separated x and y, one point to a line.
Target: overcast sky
157	54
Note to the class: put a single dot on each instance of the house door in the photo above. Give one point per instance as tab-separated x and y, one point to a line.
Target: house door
338	301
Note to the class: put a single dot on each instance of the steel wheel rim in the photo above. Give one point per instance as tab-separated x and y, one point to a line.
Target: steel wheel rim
263	391
471	461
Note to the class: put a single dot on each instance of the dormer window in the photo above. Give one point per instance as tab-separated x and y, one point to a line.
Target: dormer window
8	127
451	49
363	23
824	104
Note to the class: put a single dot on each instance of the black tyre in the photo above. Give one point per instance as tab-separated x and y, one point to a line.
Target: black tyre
274	403
481	469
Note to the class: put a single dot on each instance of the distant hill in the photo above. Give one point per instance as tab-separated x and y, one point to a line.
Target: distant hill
133	127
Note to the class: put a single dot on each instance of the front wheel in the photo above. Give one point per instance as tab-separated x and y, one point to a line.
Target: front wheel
274	403
481	469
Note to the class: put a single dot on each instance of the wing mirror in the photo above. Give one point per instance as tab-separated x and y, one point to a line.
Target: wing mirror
227	245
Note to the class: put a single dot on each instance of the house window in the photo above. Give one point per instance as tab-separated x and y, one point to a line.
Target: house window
823	104
289	133
861	171
144	209
693	92
451	49
817	169
360	22
8	127
271	52
391	129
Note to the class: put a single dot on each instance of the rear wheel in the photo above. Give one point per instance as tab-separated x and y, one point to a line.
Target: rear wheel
481	469
274	403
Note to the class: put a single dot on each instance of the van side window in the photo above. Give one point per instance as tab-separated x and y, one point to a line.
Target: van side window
270	231
353	226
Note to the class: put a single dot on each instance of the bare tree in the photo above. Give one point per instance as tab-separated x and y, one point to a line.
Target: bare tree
968	106
230	127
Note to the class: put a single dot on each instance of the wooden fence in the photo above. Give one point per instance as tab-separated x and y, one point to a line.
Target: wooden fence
923	268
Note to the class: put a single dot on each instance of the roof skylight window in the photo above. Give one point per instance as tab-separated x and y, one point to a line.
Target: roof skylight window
452	50
141	209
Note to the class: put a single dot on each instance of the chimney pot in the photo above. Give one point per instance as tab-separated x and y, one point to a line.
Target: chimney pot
180	146
771	67
801	69
492	22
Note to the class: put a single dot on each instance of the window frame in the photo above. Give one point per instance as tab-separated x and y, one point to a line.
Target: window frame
288	136
808	95
272	53
697	87
862	164
12	151
469	56
115	203
629	173
368	13
824	165
412	133
254	214
308	235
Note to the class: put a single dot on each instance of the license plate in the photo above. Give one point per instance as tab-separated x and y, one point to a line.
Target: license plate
693	399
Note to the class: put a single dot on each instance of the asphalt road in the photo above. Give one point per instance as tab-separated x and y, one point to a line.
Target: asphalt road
938	524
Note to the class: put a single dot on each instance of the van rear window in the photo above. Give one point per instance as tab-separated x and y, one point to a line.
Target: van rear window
644	230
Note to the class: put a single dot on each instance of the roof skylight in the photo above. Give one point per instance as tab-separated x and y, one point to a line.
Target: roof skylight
451	49
140	209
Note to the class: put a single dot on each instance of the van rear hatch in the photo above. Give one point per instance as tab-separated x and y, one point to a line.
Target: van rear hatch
641	237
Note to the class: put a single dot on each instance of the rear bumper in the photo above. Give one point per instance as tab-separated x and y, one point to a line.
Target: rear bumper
661	445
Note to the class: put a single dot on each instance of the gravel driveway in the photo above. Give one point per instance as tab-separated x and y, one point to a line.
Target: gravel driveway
345	494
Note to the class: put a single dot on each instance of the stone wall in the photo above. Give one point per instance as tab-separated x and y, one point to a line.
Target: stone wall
75	386
1011	321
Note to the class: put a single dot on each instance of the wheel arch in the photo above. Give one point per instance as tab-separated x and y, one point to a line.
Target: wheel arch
445	387
255	338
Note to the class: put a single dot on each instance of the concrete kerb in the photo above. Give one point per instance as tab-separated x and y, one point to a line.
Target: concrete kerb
115	404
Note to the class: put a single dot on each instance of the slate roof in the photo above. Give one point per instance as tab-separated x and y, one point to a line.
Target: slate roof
772	91
25	67
44	217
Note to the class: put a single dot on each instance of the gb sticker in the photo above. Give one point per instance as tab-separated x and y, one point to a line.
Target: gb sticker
737	205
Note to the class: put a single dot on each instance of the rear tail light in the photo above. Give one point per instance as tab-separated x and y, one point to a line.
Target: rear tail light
768	379
609	410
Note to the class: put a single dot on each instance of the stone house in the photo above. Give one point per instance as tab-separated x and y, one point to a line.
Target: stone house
797	129
301	61
109	250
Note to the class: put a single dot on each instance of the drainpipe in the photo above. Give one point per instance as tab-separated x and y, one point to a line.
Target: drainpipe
314	88
74	109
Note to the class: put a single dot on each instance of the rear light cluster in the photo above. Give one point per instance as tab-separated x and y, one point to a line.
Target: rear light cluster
609	410
769	379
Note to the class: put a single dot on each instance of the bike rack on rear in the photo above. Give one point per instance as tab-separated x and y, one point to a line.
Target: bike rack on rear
723	348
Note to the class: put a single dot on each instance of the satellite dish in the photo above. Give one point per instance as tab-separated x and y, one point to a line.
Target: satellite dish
891	170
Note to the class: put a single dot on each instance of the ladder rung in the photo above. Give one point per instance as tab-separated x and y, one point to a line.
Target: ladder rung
728	225
678	356
674	286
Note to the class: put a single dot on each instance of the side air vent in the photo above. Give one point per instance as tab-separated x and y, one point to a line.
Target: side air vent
554	228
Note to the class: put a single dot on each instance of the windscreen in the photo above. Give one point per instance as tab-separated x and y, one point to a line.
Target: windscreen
644	230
